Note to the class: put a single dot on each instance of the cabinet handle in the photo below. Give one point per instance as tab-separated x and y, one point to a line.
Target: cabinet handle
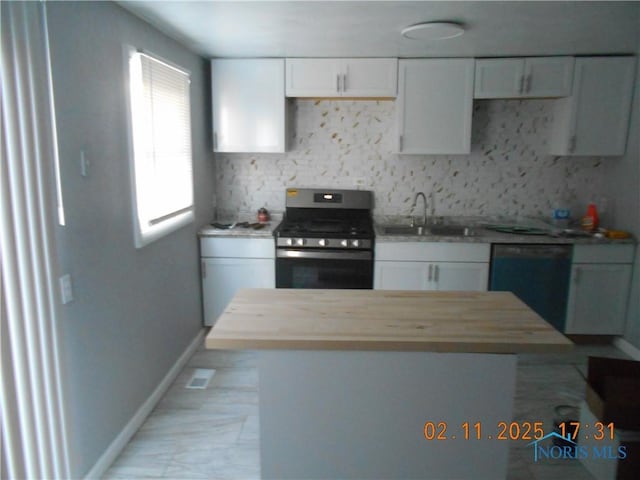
430	272
528	88
572	144
215	140
521	90
400	143
436	275
344	83
338	83
204	269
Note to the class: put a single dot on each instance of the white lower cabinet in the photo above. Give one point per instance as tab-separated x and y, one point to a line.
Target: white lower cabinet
229	264
431	266
598	294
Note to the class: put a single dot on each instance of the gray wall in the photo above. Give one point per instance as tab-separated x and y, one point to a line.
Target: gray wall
135	311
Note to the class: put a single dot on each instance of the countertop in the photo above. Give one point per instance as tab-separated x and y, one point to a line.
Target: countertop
239	232
387	320
484	235
480	234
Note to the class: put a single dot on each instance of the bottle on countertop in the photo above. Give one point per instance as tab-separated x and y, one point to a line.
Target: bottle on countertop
590	221
263	215
561	213
561	217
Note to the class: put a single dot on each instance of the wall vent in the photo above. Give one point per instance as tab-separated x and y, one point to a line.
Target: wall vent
200	378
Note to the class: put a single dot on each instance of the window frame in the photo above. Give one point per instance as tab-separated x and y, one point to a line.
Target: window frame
163	226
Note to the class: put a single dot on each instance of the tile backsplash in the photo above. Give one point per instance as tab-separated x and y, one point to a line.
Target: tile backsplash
350	144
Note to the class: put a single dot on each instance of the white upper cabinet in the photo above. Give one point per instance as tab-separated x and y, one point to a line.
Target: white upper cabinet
370	77
523	77
594	120
313	77
341	77
498	78
249	105
434	106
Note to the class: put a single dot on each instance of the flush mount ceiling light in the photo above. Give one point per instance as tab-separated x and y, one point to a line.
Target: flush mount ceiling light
433	31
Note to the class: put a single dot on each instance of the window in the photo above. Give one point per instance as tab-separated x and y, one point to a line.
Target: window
162	175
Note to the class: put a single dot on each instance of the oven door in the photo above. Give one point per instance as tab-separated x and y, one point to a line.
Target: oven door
324	269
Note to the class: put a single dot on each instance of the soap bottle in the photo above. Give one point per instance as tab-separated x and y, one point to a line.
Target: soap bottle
590	221
561	214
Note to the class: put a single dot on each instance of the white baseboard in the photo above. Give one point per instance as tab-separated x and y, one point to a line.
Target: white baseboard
627	347
118	444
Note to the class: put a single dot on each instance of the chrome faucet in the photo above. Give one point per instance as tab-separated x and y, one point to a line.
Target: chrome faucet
424	212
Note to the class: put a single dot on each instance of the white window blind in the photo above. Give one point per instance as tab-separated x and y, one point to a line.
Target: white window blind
162	163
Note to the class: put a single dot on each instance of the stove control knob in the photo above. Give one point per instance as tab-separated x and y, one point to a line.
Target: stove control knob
323	243
289	241
355	243
344	243
300	241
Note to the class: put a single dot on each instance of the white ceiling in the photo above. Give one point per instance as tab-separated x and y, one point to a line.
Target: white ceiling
372	28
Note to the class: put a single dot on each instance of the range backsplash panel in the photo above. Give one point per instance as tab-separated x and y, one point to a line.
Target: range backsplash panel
350	144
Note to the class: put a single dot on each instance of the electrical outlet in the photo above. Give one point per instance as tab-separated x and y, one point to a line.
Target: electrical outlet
66	290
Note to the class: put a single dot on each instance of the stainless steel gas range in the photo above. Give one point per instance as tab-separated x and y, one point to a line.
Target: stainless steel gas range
325	240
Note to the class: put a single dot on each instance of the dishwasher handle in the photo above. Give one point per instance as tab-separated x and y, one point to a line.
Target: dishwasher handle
532	251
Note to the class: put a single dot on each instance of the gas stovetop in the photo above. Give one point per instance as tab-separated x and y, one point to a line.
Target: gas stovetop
326	227
326	219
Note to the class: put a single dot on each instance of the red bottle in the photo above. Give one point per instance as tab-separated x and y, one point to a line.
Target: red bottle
263	215
591	221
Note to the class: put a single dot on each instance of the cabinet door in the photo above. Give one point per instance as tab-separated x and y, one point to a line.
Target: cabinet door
464	276
499	78
548	76
313	77
223	277
523	77
248	105
598	299
435	102
595	119
403	276
370	77
461	276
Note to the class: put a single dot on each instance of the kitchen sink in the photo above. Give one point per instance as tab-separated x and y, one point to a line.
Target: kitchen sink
403	230
443	230
451	230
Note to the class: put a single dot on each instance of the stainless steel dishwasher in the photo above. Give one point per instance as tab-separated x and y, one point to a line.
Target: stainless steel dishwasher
537	274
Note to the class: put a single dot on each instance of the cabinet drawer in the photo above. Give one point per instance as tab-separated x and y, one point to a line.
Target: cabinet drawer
237	247
603	253
433	251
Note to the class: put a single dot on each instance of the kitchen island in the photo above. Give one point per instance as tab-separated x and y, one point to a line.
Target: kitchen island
384	384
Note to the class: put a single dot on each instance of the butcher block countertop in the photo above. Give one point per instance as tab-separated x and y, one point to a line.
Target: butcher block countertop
460	322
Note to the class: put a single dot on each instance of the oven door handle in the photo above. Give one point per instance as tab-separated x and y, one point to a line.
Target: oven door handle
324	255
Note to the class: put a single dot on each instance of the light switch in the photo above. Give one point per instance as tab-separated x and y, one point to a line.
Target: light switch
66	291
84	164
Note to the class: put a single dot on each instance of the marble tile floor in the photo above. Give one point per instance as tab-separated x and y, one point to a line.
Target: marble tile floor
214	433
